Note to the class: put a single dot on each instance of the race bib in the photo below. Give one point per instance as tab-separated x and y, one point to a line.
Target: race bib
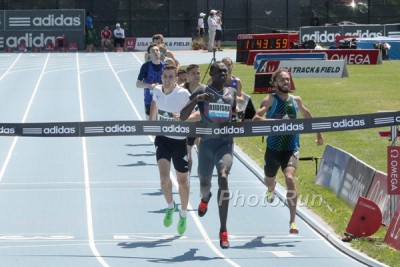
219	111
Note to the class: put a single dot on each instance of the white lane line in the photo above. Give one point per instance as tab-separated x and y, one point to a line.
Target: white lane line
123	87
9	69
174	181
11	149
89	216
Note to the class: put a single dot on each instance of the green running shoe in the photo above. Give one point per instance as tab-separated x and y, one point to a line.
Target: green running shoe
169	213
270	196
181	225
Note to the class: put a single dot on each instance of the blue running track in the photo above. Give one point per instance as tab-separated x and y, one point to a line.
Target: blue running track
96	201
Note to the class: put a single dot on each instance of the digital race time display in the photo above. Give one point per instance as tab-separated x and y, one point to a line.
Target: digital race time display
268	41
255	44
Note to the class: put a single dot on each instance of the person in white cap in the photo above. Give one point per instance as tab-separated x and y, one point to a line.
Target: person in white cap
200	25
119	38
218	33
212	28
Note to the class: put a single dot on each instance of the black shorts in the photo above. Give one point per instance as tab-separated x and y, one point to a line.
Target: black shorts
147	109
214	152
190	141
275	159
175	149
120	41
201	32
218	35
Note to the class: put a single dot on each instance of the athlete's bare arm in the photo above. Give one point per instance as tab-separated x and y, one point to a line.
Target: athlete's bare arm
306	113
264	107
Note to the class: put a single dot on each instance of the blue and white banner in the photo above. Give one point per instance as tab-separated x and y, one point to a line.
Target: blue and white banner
309	68
179	128
172	43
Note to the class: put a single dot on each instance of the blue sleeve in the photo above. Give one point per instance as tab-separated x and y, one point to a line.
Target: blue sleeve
143	71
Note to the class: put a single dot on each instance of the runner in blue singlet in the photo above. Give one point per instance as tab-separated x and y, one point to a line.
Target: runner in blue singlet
150	76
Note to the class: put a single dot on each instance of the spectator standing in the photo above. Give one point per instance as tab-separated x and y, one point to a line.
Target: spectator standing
89	21
119	38
212	28
218	32
150	75
90	34
200	25
61	43
105	38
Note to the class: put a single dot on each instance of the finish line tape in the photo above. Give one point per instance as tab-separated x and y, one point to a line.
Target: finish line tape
192	129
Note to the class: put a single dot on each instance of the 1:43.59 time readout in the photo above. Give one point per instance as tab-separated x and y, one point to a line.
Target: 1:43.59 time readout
276	43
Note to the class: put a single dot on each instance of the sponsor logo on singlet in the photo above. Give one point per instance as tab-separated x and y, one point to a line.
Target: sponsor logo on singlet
219	110
165	116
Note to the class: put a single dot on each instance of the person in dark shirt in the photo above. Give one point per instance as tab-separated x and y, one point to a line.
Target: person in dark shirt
216	104
150	75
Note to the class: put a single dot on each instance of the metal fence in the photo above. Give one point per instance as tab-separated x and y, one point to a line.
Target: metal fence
178	18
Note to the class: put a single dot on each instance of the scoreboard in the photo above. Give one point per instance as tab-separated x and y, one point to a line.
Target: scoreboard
268	41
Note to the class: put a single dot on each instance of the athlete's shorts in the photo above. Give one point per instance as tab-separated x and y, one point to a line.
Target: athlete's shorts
190	141
147	109
175	149
275	159
214	152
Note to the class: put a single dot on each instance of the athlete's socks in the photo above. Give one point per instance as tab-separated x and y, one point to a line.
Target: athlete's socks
183	213
171	205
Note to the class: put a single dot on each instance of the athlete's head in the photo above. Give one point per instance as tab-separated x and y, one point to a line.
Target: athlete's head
182	76
169	76
158	38
281	80
218	72
228	63
154	52
193	73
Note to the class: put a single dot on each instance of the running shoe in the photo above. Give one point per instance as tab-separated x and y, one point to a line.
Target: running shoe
270	196
223	240
181	225
203	207
169	216
293	229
